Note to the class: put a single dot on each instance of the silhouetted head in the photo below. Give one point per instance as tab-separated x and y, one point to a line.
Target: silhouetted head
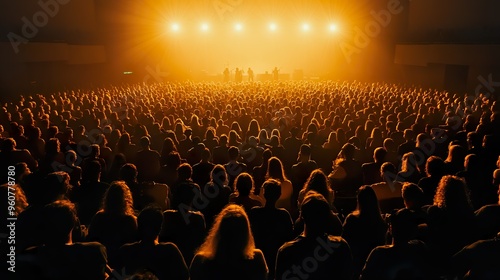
230	237
434	166
118	199
91	171
403	226
234	153
452	194
275	169
272	191
315	211
59	219
379	154
413	196
128	173
185	171
244	184
218	175
367	202
319	183
149	223
144	142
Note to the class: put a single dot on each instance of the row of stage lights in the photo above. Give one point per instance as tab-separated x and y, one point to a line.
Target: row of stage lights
238	27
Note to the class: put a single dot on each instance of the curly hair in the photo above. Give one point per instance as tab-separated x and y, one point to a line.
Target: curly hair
452	194
118	199
318	182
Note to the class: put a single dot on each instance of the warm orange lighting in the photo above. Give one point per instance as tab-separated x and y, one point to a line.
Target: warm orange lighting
175	27
306	27
333	27
273	26
204	27
238	27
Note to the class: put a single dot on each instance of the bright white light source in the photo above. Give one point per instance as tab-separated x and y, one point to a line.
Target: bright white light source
273	26
306	27
175	27
204	27
238	27
333	27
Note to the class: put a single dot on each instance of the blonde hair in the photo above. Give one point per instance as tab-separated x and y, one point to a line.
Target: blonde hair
230	237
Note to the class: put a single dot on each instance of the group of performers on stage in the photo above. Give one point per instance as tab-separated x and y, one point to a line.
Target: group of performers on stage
238	74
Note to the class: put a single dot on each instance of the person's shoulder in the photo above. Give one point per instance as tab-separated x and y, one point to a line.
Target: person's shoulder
130	218
100	214
435	212
256	210
199	259
92	245
381	248
95	249
286	181
352	216
168	247
291	244
487	209
338	241
129	246
378	185
367	165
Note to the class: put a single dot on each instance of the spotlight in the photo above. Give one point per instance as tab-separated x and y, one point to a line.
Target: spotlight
306	27
333	27
238	27
175	27
272	26
204	27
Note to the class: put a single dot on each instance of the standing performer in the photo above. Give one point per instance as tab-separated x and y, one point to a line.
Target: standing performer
276	72
250	74
238	75
226	75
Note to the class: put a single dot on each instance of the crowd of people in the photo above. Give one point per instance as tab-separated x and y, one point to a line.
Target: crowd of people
272	180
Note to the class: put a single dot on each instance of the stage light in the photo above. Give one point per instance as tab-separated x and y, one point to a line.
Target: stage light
204	27
306	27
272	26
333	27
175	27
238	27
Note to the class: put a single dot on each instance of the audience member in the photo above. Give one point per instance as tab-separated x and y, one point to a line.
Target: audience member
229	250
115	224
364	229
164	260
329	255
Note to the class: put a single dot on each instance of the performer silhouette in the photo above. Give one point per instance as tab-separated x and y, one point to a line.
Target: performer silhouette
250	74
276	72
238	75
226	75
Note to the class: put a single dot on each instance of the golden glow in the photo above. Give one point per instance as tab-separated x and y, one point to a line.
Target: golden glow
204	27
188	37
333	27
175	27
